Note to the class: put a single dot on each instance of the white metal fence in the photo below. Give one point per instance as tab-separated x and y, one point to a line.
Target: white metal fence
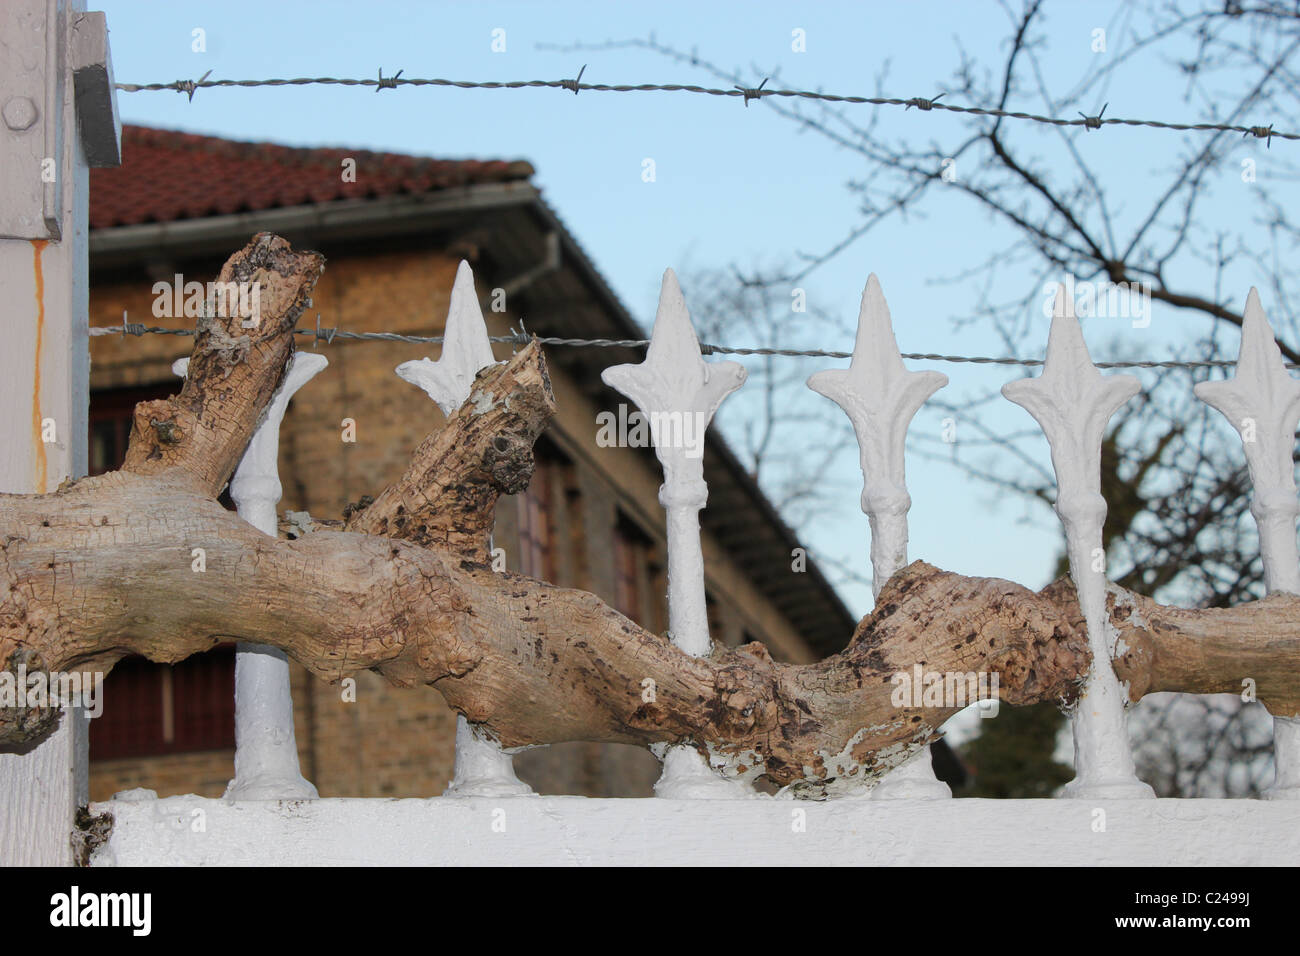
1070	399
679	392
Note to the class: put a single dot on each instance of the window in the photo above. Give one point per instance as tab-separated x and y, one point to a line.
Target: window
631	553
549	516
717	629
110	422
537	532
155	709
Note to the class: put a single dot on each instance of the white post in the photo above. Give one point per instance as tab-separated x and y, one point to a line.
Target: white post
1073	402
266	748
50	51
1262	402
482	768
679	392
881	397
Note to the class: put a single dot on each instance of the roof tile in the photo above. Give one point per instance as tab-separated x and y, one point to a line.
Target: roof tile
167	175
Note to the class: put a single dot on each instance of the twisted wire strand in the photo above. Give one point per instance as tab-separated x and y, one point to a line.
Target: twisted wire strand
328	336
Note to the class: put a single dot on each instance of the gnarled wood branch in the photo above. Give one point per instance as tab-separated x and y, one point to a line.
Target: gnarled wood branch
106	567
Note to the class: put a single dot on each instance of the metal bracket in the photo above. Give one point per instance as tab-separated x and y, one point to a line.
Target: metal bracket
31	111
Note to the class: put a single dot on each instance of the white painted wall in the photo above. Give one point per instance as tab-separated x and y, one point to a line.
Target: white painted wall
582	831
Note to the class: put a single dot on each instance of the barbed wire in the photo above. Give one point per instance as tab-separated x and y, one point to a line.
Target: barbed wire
745	93
328	336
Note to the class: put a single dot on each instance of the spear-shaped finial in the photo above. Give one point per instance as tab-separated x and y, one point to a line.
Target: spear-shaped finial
881	397
466	348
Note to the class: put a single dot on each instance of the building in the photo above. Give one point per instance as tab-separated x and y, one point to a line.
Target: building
393	235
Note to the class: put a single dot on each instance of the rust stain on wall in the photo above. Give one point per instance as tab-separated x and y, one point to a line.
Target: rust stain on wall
38	445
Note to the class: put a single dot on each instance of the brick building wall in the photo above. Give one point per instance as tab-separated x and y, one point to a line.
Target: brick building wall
606	530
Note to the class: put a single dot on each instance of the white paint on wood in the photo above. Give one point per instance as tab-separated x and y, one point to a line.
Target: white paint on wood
1262	402
679	393
881	397
44	373
266	748
569	831
1073	403
482	768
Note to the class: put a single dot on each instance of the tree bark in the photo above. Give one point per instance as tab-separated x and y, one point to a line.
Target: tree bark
144	561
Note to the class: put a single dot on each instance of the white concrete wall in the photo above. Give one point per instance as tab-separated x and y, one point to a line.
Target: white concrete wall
578	830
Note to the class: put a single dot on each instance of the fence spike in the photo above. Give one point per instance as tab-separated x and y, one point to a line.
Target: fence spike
482	768
266	750
465	349
881	397
1262	402
679	392
1073	402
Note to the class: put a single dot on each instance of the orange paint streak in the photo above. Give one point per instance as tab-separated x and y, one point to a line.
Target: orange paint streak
38	445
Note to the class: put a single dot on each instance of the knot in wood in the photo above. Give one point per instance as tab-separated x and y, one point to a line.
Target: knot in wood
20	724
508	460
746	705
168	432
353	507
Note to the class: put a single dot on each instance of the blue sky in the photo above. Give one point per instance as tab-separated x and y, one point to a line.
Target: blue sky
733	184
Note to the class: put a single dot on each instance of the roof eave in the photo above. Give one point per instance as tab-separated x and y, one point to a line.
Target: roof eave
354	218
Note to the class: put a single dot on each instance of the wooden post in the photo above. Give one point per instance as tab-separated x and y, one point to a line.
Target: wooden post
54	65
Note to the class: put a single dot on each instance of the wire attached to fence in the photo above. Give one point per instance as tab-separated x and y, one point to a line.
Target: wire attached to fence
1266	133
328	336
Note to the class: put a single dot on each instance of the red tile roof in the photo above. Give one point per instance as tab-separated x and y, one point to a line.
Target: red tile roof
166	175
